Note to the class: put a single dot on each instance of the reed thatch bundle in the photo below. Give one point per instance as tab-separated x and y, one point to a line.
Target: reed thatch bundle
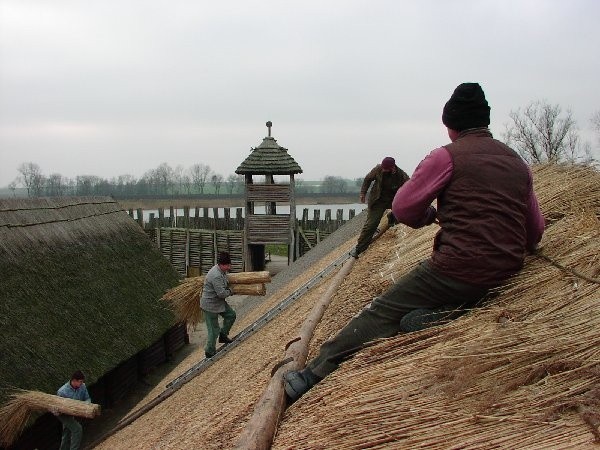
520	373
564	189
249	289
15	414
184	299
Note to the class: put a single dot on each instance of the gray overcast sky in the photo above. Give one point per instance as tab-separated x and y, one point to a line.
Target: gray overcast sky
111	87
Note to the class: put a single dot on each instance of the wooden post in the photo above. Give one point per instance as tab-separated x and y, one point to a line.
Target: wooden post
249	212
161	217
292	224
351	214
186	216
239	219
260	429
206	219
227	217
140	217
317	218
172	218
187	251
215	218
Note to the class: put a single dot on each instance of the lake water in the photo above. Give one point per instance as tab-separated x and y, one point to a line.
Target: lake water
281	209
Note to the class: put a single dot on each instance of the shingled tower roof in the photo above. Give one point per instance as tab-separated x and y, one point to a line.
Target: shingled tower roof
269	158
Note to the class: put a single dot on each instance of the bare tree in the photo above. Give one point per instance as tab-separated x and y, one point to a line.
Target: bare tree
186	183
332	184
231	182
13	187
217	180
541	133
55	185
31	177
87	184
200	174
164	176
596	124
178	179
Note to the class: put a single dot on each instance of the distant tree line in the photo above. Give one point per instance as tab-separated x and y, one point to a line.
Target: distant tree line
540	132
162	181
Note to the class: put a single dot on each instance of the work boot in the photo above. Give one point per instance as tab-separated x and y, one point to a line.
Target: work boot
224	339
208	355
353	253
296	383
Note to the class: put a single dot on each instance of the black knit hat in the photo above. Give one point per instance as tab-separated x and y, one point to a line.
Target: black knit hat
467	108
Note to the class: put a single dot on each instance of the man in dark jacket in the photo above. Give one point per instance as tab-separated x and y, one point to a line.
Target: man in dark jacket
489	218
386	178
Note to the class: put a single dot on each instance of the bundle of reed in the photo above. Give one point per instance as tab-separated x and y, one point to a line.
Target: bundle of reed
185	298
249	289
15	413
563	189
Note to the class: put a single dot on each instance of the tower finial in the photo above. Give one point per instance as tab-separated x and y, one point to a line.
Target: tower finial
269	125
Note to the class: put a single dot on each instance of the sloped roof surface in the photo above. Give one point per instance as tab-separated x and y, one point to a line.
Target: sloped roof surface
519	373
269	158
80	289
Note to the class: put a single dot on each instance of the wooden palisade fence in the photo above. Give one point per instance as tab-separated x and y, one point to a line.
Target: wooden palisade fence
192	241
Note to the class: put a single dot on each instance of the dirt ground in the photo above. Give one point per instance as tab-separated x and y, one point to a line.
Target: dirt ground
98	427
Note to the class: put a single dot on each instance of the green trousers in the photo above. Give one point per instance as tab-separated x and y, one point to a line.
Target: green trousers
420	290
71	433
212	327
374	215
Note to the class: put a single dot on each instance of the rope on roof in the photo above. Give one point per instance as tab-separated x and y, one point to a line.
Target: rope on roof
74	219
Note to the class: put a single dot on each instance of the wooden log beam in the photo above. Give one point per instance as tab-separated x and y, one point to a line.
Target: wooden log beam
260	429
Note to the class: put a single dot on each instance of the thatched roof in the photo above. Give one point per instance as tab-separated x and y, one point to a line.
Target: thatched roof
80	289
269	158
520	373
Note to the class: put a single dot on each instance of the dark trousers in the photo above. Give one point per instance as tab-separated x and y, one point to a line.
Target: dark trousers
374	215
421	289
212	327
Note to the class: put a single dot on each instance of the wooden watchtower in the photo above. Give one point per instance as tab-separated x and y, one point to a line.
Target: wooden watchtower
268	159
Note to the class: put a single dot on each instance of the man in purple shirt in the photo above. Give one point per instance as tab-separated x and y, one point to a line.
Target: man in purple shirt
489	219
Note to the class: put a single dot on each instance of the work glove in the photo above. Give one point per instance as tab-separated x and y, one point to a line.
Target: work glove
391	219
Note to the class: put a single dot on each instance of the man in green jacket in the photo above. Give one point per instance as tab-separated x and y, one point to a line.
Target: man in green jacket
386	178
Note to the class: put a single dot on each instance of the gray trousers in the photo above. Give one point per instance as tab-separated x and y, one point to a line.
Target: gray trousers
71	433
420	291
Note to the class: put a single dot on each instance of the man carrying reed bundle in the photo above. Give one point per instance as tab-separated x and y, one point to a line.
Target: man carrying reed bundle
489	218
213	304
72	431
